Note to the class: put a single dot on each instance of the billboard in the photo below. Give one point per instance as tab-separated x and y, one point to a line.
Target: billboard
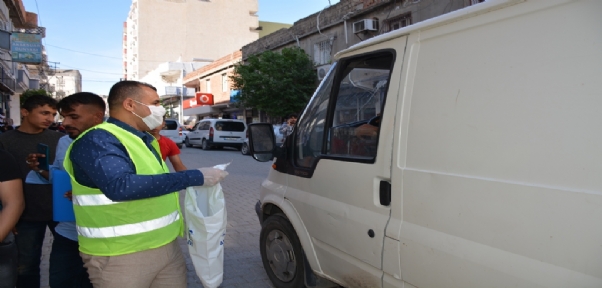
26	47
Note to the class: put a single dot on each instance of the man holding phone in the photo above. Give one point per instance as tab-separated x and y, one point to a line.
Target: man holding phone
38	113
81	111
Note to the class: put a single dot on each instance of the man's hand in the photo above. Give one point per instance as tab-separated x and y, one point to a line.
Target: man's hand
366	130
32	161
212	176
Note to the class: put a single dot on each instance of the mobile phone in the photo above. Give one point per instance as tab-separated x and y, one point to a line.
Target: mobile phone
43	161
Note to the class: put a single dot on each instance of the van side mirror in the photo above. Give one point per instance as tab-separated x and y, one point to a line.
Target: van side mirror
262	141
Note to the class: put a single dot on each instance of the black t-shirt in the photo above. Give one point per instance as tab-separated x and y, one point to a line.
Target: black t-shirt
7	168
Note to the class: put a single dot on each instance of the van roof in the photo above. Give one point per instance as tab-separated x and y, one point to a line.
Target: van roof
444	19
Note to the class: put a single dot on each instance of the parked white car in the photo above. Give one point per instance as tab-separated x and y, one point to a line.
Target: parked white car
279	140
174	131
218	133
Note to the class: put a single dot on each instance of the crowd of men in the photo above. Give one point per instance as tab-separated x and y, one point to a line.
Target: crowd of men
125	200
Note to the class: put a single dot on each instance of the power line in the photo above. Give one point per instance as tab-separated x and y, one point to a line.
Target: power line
38	10
98	55
101	72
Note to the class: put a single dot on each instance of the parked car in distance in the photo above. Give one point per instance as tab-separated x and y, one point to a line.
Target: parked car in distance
279	140
218	133
174	131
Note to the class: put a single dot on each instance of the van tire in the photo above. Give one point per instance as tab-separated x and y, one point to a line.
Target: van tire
283	239
204	145
180	145
187	142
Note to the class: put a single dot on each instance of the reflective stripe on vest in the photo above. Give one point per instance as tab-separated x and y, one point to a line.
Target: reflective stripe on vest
129	229
92	200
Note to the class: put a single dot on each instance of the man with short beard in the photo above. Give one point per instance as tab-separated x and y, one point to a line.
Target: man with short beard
38	113
125	199
81	111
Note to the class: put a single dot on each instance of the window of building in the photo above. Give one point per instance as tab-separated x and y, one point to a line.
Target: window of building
322	52
398	22
225	87
208	85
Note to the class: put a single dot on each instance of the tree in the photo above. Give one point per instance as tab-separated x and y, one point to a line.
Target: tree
31	92
276	83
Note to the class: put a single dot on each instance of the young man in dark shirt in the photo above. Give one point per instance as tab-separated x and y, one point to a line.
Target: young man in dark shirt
38	113
11	207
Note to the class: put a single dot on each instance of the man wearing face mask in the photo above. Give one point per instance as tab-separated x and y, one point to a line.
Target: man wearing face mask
124	198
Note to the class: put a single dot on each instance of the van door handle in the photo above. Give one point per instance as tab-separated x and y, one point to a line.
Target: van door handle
385	193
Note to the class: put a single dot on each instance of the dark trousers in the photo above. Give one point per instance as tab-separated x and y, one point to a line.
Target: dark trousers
66	266
8	262
30	238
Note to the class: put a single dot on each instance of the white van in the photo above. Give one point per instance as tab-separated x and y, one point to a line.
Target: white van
463	151
218	133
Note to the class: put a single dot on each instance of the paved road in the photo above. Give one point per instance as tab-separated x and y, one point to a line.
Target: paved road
242	261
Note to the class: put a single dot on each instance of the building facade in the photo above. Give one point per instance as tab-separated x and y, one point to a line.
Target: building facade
349	22
168	79
153	36
213	81
15	76
320	35
64	82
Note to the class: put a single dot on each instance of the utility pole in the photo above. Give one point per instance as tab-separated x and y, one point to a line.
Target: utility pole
46	85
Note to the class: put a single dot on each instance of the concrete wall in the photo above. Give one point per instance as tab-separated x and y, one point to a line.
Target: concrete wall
168	30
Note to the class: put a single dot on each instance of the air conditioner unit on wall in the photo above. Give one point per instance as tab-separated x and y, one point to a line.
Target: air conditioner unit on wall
365	25
322	71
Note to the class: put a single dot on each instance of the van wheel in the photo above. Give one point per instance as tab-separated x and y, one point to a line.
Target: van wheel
204	145
281	253
187	142
180	145
244	149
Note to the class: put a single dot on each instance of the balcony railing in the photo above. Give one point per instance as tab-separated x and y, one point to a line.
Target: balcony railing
177	91
9	83
22	80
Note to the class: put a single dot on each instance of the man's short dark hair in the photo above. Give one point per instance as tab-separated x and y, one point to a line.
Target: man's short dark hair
38	100
68	103
291	116
124	89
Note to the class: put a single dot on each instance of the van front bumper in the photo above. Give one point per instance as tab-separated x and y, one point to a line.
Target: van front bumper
259	211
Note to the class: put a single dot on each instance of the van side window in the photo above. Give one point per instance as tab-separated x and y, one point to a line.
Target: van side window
309	132
358	108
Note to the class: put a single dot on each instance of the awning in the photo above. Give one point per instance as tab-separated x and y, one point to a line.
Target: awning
200	110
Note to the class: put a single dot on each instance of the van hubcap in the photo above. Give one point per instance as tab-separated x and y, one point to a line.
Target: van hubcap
281	256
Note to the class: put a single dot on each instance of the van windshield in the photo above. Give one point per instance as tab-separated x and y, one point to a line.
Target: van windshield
229	126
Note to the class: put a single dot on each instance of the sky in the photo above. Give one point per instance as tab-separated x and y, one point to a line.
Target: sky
95	27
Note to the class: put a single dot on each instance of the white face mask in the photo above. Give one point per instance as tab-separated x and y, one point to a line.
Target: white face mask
155	119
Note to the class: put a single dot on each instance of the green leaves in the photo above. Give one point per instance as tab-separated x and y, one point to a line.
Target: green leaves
31	92
278	83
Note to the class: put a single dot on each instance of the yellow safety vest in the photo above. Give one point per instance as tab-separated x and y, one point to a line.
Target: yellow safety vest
108	228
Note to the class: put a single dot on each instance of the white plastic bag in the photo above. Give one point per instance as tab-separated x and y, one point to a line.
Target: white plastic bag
206	225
